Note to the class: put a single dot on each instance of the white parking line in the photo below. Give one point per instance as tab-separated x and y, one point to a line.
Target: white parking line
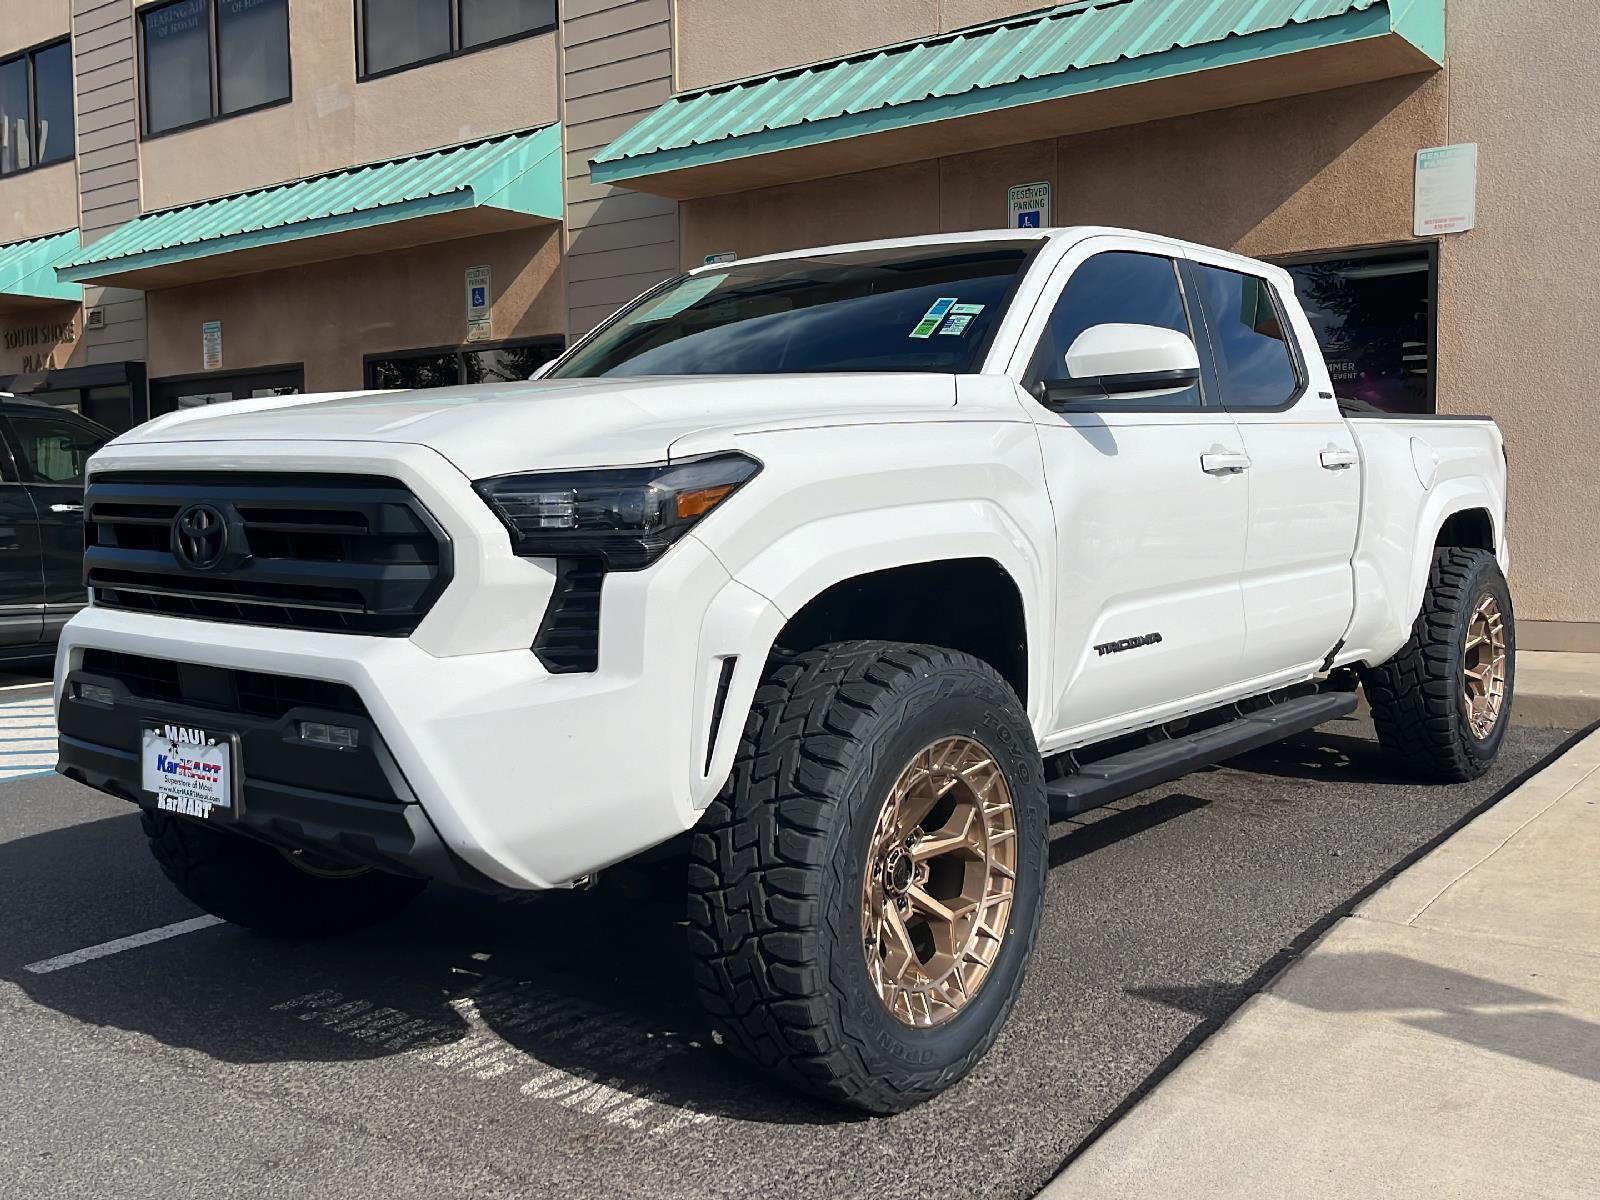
131	942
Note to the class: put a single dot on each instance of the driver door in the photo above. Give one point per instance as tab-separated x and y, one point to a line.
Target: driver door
1150	508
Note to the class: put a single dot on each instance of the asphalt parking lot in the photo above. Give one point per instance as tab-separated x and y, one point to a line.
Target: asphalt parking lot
550	1045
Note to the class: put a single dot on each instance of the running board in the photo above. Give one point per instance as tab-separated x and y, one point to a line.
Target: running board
1158	762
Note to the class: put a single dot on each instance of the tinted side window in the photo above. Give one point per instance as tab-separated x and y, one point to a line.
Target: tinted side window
1248	340
1119	287
50	450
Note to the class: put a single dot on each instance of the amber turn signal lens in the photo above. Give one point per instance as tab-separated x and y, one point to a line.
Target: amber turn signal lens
699	503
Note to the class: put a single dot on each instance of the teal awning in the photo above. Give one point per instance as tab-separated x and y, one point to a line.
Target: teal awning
493	183
27	270
1005	68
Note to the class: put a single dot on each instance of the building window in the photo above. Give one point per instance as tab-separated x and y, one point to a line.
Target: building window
36	108
396	34
1373	314
205	59
407	370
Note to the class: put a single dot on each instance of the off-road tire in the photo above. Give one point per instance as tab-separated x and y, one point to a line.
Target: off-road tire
250	883
775	878
1416	697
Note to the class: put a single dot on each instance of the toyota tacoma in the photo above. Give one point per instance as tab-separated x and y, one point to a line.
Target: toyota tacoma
849	568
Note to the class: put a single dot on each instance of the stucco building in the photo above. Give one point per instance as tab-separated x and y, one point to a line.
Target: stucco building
202	199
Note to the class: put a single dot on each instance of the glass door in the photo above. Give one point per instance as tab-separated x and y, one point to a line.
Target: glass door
195	391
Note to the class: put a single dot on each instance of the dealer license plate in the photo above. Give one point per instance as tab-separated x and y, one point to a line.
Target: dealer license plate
189	770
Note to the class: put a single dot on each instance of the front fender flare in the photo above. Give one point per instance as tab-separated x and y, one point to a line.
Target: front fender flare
750	612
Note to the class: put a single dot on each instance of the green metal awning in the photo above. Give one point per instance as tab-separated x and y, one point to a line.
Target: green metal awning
989	81
510	181
27	271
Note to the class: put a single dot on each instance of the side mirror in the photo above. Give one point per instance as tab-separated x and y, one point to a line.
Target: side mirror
1131	362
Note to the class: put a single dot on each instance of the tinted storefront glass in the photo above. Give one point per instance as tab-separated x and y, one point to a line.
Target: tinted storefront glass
1373	317
411	369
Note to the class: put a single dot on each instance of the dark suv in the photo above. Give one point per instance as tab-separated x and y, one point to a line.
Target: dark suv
42	455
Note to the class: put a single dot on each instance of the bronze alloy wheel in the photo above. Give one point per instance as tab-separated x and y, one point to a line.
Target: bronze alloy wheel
1484	666
941	874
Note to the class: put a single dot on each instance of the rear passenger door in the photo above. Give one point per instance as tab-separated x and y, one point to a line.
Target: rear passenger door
21	565
1150	530
50	452
1304	480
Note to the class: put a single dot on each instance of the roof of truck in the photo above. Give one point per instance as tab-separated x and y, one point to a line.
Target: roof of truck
1058	233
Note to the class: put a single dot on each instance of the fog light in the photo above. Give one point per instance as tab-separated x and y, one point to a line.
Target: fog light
95	694
329	735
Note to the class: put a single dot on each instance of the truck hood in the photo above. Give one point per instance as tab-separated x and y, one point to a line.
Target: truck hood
494	429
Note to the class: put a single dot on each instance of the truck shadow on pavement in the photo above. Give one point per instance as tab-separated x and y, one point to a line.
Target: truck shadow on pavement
561	996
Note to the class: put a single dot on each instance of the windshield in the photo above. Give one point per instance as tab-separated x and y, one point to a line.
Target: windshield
922	308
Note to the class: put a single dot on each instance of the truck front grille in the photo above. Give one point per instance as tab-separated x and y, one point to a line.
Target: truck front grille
338	553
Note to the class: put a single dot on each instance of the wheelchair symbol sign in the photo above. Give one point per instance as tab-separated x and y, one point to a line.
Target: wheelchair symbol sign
480	297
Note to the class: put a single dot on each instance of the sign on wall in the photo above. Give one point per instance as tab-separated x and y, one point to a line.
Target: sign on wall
1446	198
1030	206
480	296
211	346
36	346
722	256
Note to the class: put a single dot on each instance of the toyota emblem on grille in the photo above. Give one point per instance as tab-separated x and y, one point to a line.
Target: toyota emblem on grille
200	537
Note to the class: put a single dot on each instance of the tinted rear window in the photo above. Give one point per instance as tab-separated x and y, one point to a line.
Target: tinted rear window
928	309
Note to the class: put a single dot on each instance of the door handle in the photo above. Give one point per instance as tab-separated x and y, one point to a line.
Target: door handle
66	508
1218	461
1337	458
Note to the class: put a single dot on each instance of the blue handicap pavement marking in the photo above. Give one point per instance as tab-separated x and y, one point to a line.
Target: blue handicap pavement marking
27	738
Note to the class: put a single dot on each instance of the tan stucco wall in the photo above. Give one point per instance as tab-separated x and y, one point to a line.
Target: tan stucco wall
333	121
329	315
25	23
719	40
1308	173
1519	296
38	202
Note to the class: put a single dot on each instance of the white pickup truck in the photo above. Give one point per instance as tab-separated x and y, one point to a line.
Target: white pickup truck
853	565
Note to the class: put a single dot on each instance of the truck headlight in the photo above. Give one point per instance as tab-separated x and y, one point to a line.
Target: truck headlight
625	516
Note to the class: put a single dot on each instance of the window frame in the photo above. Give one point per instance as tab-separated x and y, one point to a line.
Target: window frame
1291	339
213	48
27	56
459	350
457	50
1052	296
1429	249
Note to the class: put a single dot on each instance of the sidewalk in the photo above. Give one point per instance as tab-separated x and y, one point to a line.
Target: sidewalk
1556	690
1443	1041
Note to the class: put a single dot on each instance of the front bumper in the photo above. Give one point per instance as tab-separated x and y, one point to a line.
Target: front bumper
501	773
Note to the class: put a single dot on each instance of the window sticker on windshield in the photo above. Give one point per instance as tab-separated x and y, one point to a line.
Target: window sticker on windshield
966	310
686	294
955	325
932	318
